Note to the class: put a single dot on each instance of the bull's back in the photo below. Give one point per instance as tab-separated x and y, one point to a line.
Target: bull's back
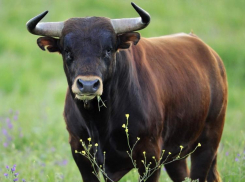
190	79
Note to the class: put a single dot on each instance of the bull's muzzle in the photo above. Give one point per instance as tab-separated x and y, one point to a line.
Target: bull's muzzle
87	87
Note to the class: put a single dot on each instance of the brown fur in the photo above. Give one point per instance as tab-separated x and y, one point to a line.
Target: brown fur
174	88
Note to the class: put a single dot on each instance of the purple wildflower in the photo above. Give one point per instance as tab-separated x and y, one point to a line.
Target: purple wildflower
238	155
227	153
14	165
23	180
16	179
13	169
6	174
7	167
7	120
5	144
236	159
16	117
10	125
5	132
64	162
16	174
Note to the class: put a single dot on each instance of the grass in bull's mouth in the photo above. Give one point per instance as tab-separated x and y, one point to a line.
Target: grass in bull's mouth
100	100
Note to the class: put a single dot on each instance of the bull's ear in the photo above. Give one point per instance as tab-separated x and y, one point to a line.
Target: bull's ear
126	39
49	43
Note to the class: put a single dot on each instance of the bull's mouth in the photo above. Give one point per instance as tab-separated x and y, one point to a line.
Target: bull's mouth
85	97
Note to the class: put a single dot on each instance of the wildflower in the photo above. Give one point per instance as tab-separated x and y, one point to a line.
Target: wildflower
81	140
7	167
126	130
181	147
16	174
89	139
199	145
83	152
100	166
23	180
227	153
76	151
124	126
144	152
96	144
104	152
153	157
16	179
169	153
13	169
163	151
138	138
236	159
6	174
127	116
142	161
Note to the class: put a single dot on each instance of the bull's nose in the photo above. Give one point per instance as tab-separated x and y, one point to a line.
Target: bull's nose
88	86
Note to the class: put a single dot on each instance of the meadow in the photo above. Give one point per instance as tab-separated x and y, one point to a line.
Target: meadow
33	135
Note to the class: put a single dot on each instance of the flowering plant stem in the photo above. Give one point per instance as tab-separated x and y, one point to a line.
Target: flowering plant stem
148	170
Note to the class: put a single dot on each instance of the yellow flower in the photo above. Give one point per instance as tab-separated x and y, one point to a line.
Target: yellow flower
144	152
142	161
163	151
81	140
169	153
76	151
153	157
104	152
126	130
89	139
83	152
181	146
199	145
127	116
96	144
138	138
124	126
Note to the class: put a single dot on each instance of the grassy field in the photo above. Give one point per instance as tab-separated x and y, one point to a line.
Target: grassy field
32	83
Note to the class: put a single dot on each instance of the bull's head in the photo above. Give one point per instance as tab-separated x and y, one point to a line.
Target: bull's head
88	47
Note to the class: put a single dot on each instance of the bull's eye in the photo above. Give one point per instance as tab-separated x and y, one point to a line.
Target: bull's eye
68	57
108	53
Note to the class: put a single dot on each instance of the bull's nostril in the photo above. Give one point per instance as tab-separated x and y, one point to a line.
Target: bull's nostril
80	84
96	85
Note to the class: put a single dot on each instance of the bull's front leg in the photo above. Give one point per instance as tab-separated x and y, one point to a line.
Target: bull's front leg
148	159
83	164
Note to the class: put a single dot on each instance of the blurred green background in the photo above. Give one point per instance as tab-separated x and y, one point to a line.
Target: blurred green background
32	83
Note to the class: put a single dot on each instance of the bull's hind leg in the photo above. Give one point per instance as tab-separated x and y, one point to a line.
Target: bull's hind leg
203	165
177	170
213	174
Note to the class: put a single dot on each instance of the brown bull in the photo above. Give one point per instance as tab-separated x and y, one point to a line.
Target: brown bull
174	88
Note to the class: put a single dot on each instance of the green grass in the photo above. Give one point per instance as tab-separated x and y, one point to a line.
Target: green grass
32	82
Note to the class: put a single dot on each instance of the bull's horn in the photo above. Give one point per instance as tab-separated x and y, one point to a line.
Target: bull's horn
52	29
131	24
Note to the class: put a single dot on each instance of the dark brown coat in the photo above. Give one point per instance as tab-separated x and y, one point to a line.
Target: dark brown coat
173	87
